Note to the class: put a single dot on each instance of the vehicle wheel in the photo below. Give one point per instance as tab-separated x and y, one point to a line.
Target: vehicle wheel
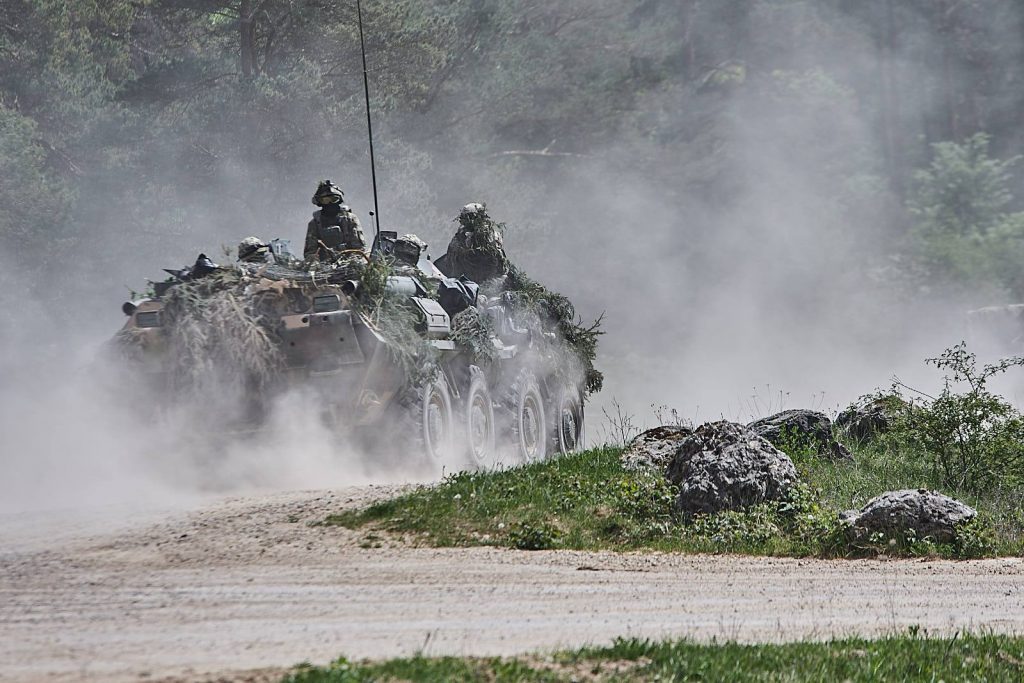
567	422
528	426
479	421
430	419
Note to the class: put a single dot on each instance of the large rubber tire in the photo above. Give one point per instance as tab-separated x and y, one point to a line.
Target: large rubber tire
430	420
527	424
478	422
566	435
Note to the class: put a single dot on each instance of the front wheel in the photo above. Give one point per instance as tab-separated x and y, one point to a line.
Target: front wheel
430	421
567	421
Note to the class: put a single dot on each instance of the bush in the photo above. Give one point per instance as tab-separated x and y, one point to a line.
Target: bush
799	525
645	501
532	536
974	439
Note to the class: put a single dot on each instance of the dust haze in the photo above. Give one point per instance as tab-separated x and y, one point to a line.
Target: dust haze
757	282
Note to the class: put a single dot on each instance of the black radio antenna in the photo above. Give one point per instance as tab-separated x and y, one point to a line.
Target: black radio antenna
369	122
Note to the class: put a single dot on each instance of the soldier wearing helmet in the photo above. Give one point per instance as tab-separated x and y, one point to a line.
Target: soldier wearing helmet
253	250
408	249
477	250
334	227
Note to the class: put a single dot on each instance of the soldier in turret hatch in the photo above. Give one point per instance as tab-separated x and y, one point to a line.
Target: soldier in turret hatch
253	250
334	228
477	249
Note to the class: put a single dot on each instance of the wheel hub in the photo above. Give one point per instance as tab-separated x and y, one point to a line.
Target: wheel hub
478	427
570	431
530	431
436	429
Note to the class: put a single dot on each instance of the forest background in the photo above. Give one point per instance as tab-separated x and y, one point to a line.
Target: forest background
803	196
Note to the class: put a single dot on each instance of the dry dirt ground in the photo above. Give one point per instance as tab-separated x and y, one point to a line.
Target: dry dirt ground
243	588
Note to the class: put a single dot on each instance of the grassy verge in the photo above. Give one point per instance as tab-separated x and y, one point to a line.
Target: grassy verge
587	501
908	657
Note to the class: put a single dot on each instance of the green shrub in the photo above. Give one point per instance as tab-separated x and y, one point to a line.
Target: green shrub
645	503
973	439
532	536
799	445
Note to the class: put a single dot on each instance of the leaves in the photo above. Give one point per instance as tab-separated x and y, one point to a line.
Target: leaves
974	438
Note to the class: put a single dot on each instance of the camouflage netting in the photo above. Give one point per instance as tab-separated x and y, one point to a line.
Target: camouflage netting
221	329
574	346
474	331
391	315
215	334
223	326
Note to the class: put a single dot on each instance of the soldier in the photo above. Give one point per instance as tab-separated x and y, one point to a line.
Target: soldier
253	250
408	249
334	227
477	249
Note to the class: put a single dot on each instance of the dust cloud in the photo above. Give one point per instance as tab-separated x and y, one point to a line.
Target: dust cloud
759	283
80	434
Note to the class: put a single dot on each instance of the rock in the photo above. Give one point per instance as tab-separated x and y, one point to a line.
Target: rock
654	448
928	513
725	466
869	416
803	427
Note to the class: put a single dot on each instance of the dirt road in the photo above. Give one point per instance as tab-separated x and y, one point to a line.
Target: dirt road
249	584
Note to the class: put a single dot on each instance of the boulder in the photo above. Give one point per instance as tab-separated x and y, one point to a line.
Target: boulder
654	448
869	416
928	513
804	427
725	466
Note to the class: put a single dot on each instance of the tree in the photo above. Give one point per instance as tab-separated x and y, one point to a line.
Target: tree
964	231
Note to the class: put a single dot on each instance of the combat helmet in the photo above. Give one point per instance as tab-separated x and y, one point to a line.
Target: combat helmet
252	249
473	218
472	209
327	193
408	249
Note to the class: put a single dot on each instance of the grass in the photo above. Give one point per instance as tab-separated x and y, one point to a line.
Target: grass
587	501
906	657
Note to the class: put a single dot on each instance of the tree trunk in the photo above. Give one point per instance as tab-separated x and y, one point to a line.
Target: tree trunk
948	35
891	101
246	39
689	21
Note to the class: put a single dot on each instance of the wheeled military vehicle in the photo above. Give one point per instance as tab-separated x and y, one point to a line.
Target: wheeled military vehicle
448	370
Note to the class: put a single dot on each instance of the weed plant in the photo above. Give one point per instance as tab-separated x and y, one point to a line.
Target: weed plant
973	438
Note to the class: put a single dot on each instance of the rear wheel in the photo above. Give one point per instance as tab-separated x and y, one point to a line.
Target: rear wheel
567	421
479	421
528	427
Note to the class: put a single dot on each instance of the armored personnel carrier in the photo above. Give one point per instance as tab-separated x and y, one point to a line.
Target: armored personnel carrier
454	371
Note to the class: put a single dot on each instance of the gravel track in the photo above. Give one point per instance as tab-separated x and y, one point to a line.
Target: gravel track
243	588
